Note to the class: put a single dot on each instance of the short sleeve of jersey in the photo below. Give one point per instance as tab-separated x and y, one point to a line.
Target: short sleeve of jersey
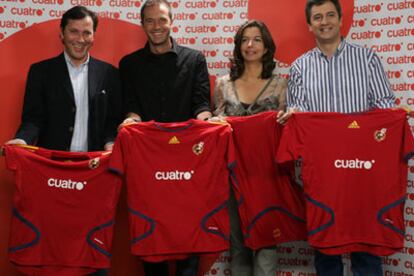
11	157
231	159
408	142
291	142
278	131
118	157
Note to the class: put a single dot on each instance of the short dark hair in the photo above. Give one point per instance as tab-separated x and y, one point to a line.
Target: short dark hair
311	3
237	61
78	12
150	3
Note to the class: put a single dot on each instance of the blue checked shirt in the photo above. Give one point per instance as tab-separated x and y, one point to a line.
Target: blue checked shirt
352	80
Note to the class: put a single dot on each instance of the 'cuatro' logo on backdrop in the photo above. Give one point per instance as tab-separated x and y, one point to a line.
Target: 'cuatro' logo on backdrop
287	23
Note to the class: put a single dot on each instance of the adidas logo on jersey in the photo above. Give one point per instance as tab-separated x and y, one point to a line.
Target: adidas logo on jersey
174	141
174	175
66	184
354	164
354	124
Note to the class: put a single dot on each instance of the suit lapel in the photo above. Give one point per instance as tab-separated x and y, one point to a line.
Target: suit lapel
93	77
65	80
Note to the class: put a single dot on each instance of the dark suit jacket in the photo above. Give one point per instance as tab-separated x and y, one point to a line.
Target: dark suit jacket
49	108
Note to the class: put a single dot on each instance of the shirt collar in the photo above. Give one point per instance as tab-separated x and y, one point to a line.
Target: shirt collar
173	50
339	50
69	61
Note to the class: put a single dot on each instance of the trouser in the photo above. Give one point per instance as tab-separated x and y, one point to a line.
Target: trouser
245	262
100	272
186	267
362	264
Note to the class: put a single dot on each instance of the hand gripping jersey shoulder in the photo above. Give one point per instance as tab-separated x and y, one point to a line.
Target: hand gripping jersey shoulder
177	177
354	172
64	208
271	206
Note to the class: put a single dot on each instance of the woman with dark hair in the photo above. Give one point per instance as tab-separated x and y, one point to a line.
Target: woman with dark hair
250	88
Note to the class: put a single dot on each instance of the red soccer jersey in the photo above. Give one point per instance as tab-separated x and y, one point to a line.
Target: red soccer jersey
354	172
64	208
271	208
178	183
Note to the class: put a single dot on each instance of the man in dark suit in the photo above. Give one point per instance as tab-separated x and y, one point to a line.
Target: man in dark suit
72	102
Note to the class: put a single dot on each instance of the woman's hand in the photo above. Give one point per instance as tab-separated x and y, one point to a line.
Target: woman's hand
283	117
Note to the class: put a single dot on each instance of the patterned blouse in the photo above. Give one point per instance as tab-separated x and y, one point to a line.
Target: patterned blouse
227	103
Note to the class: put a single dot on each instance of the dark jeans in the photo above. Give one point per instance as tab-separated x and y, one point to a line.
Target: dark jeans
362	264
100	272
186	267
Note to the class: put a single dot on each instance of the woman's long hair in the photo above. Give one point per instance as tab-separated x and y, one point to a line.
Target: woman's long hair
237	61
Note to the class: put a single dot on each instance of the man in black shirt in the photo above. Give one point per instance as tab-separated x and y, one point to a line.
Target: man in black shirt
164	82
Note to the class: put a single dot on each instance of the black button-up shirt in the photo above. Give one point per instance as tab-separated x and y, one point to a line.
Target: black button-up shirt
170	87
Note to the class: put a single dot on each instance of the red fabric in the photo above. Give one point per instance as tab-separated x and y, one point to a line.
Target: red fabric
354	173
272	209
177	179
64	207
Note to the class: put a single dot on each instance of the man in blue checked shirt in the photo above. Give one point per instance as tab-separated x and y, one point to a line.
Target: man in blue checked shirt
337	76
